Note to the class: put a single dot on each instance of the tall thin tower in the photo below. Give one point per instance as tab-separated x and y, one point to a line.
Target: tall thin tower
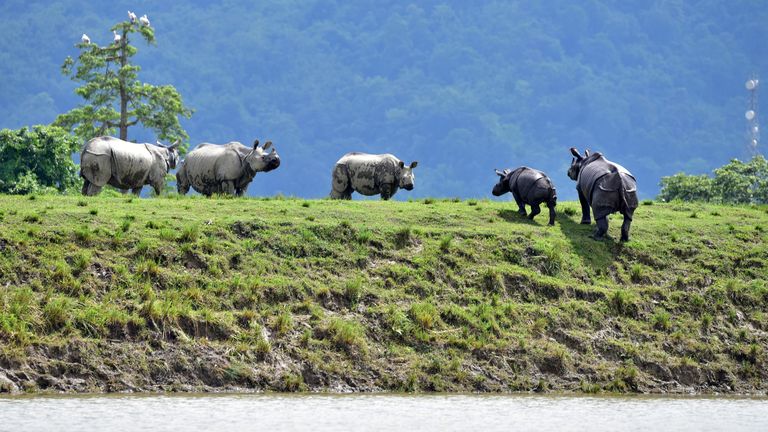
753	129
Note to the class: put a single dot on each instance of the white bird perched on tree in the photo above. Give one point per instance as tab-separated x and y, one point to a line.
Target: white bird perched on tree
85	39
132	16
117	37
144	20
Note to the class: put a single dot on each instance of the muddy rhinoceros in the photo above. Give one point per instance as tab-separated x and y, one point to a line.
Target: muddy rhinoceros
370	174
606	187
528	186
125	165
226	168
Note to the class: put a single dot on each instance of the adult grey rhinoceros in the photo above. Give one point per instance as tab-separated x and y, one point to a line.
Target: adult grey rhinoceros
370	174
605	186
528	186
125	165
226	168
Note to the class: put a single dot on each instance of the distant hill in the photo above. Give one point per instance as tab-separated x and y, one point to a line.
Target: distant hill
461	87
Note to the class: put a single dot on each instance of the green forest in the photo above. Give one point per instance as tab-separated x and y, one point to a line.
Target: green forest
462	87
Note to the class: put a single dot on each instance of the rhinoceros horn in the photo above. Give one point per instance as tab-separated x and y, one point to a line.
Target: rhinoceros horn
175	144
499	173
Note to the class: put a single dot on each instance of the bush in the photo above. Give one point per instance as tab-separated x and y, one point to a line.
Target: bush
37	159
736	183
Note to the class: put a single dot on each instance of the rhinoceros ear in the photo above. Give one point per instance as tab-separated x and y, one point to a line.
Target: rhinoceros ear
401	164
413	164
576	154
267	145
255	143
586	153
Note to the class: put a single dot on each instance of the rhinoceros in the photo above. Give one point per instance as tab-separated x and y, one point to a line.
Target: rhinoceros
370	174
528	186
606	187
125	165
226	168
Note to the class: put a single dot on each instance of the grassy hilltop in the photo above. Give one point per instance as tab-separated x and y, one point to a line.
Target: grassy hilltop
119	293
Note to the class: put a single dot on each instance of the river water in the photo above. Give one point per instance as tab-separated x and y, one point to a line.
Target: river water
477	413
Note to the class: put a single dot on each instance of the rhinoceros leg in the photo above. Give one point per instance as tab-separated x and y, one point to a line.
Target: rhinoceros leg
93	190
602	228
86	184
551	205
625	226
585	218
228	187
136	191
535	209
625	229
520	203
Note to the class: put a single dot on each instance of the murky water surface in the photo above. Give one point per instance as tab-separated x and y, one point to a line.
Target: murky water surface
277	412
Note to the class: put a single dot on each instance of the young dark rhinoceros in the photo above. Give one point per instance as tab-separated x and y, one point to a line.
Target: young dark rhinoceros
605	186
370	174
528	186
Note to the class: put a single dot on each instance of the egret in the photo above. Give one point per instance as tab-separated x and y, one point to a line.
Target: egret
117	37
85	39
132	16
144	20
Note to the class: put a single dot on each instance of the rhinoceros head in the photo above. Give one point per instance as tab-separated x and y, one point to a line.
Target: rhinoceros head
259	160
576	163
502	186
407	179
171	154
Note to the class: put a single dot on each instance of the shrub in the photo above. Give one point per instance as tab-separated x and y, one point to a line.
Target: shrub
347	335
81	261
424	315
57	312
32	218
403	237
189	234
636	273
445	242
661	320
622	302
353	290
37	158
83	234
282	323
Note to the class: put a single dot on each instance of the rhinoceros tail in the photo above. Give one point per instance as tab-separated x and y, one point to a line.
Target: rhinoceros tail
628	196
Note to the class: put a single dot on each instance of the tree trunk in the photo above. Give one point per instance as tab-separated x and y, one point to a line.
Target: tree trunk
123	92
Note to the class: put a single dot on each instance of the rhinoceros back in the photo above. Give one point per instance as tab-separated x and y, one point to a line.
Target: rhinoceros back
209	164
122	163
609	177
367	172
530	183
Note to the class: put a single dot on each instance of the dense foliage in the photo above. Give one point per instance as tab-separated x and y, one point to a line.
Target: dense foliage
737	183
460	86
115	98
36	159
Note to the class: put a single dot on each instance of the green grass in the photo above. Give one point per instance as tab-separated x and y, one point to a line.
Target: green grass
452	295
